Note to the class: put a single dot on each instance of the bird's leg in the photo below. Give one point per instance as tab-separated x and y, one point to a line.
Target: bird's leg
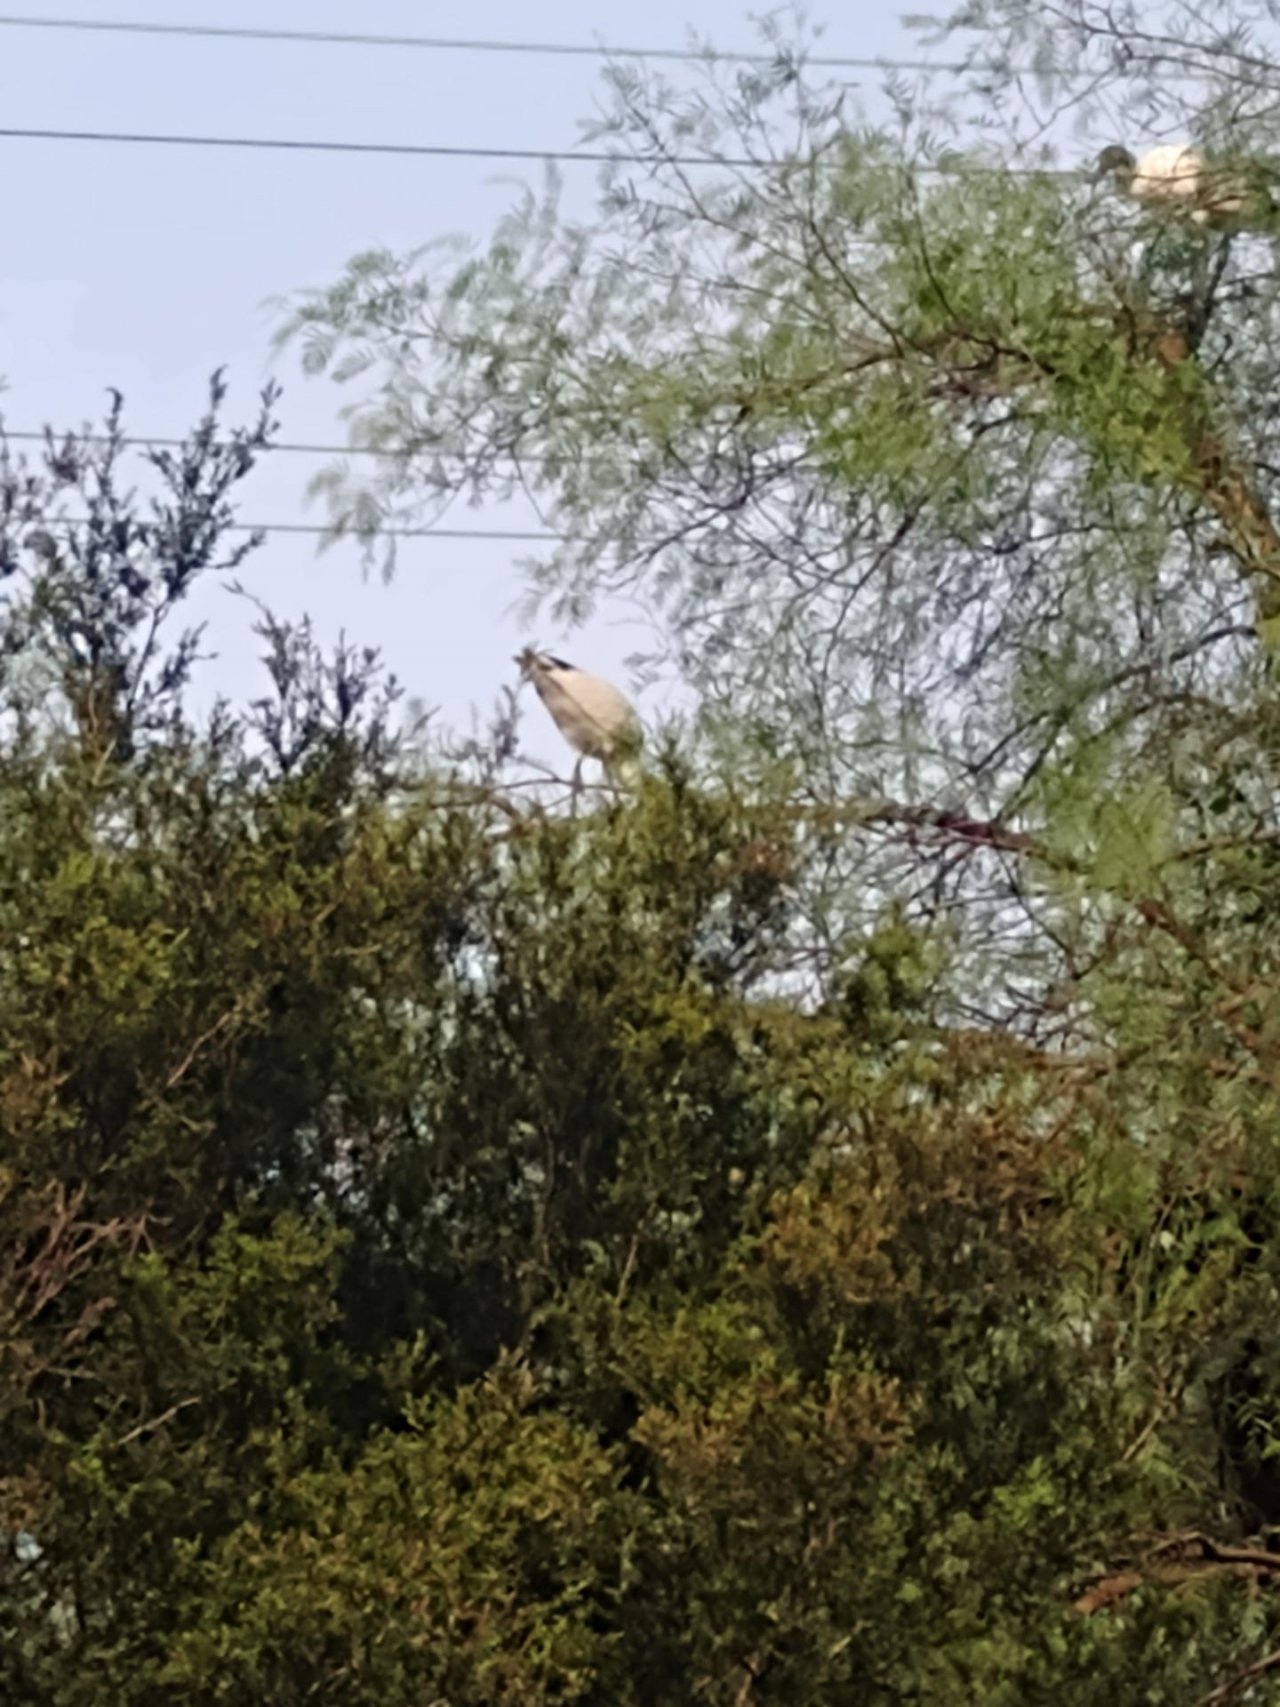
575	787
1200	287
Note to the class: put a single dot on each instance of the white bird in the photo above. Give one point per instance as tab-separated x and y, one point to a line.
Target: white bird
1176	177
595	719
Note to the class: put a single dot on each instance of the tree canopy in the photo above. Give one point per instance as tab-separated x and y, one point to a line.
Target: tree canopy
804	1229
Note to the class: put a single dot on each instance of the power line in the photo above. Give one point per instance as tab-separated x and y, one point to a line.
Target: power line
316	530
422	150
143	442
580	50
450	151
450	44
285	447
524	536
518	536
576	50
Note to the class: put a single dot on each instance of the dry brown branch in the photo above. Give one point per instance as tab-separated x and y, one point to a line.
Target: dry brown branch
1168	1561
1225	1691
1106	1592
155	1423
188	1060
1217	1552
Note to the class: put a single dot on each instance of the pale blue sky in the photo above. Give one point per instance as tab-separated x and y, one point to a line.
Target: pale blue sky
145	268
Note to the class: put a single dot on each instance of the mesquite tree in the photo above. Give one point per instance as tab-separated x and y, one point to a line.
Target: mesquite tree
949	472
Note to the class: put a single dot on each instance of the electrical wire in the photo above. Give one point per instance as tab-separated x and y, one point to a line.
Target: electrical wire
285	447
452	151
421	150
519	536
144	442
591	50
450	44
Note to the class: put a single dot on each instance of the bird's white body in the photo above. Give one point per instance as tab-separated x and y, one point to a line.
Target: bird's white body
595	719
1175	176
1172	173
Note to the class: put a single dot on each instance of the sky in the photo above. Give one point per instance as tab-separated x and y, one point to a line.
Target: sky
145	268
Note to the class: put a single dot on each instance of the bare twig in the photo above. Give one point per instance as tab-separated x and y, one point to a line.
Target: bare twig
1232	1687
155	1423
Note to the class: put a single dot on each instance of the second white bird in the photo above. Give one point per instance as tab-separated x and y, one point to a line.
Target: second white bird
1177	177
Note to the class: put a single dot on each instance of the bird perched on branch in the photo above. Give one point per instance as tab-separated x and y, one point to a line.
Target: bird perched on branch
1176	177
595	719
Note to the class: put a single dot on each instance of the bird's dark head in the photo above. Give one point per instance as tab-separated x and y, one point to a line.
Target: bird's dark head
1115	161
42	544
531	661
